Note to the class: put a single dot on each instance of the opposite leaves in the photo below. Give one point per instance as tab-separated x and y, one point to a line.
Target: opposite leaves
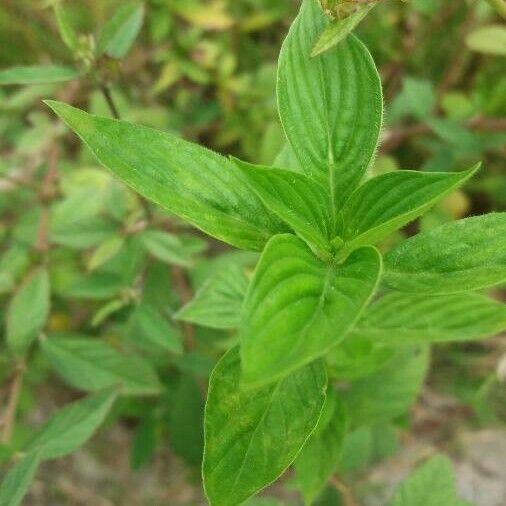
298	307
190	181
251	437
457	257
388	202
330	105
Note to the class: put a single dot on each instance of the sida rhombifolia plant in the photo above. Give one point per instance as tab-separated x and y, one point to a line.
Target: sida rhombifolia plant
321	292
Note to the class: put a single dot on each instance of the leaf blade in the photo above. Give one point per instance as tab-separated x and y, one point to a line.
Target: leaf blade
235	422
192	182
17	481
37	74
298	307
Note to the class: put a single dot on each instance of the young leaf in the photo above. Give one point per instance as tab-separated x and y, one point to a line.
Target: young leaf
408	319
166	247
300	202
17	481
457	257
92	365
148	324
319	458
251	437
105	251
217	304
298	307
37	74
28	312
433	484
389	391
67	33
387	202
13	264
72	426
192	182
121	31
330	106
338	29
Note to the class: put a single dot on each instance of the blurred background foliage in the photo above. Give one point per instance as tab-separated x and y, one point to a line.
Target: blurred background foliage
120	268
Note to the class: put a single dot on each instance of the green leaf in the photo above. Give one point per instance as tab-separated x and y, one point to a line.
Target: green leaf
72	426
432	484
389	391
67	33
251	437
105	251
409	319
148	324
144	443
186	421
121	31
459	256
218	302
489	39
388	202
192	182
330	106
17	481
28	312
37	74
13	263
301	203
90	365
297	307
319	458
338	29
166	247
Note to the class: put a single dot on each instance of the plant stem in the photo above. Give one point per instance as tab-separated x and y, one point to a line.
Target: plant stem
106	92
499	6
12	403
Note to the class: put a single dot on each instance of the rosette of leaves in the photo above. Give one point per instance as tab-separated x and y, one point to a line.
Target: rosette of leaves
322	295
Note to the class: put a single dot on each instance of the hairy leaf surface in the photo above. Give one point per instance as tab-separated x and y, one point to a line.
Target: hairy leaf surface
298	307
72	426
190	181
297	200
330	106
252	436
459	256
92	365
387	202
401	318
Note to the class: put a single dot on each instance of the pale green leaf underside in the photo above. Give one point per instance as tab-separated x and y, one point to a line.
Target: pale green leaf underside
388	202
91	365
251	437
297	200
389	391
459	256
17	481
28	312
401	318
330	106
72	426
298	307
338	29
190	181
217	304
37	74
318	459
432	484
